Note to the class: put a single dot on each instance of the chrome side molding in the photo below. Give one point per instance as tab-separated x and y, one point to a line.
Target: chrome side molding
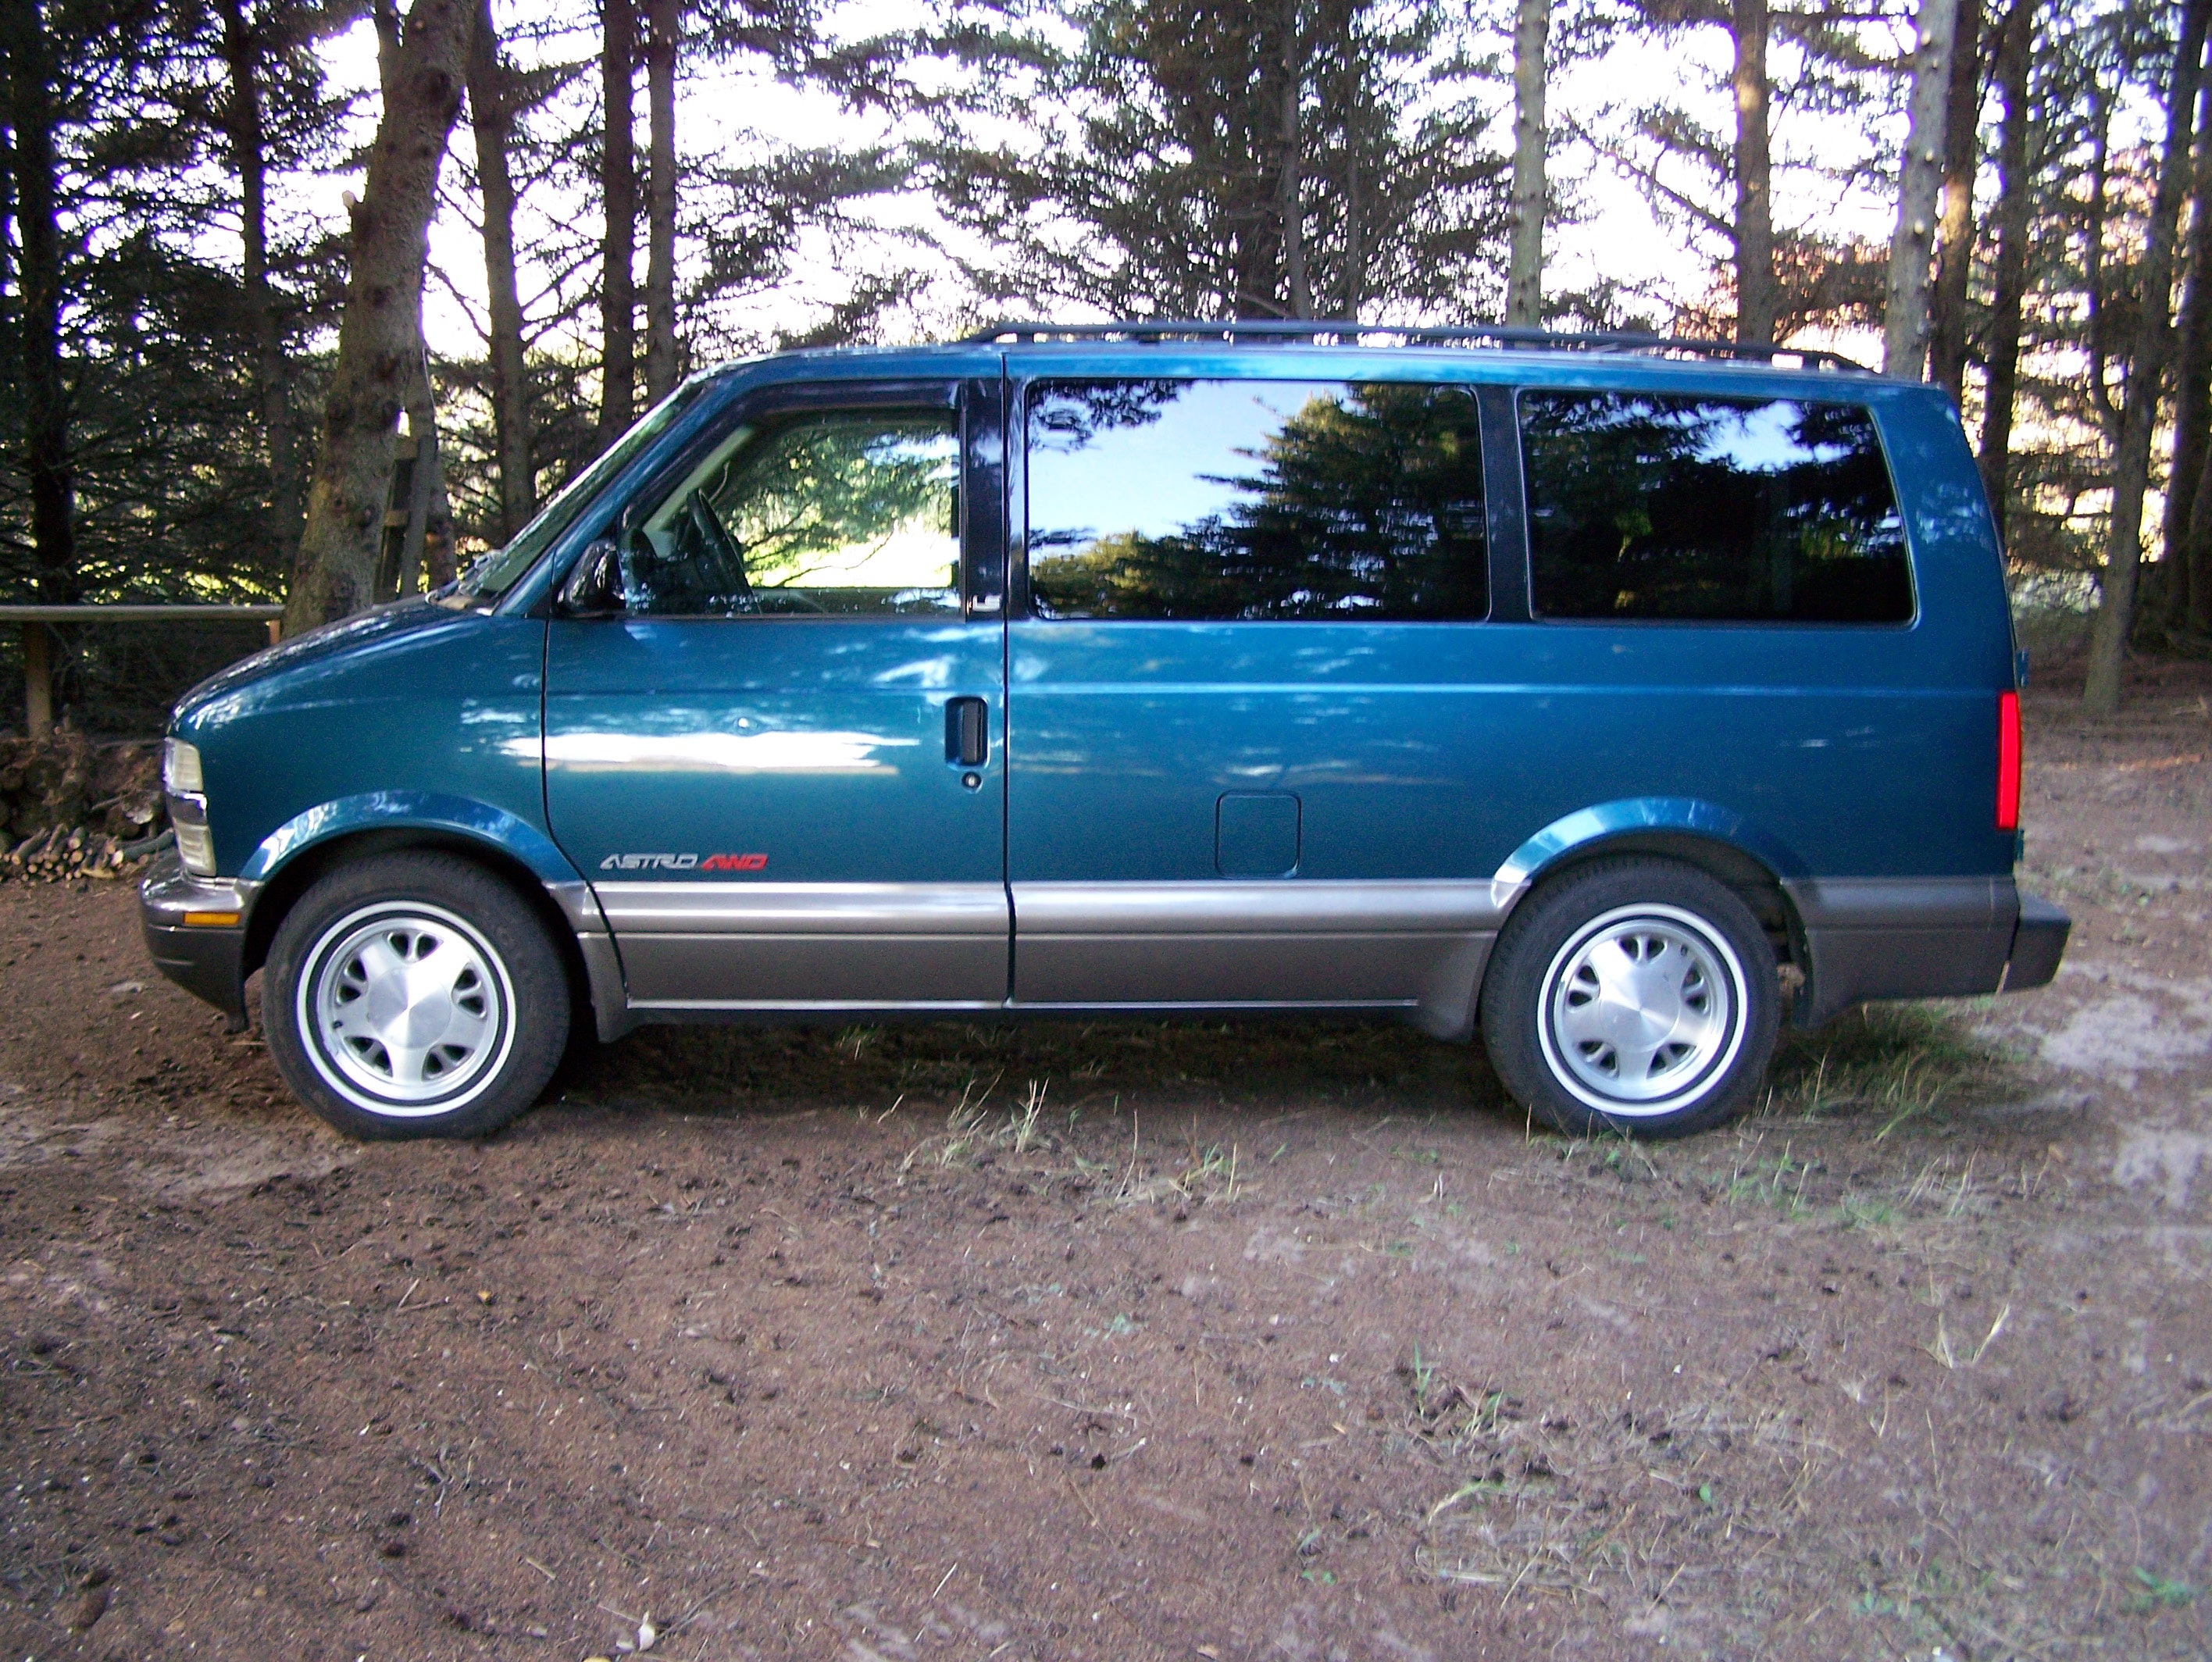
765	908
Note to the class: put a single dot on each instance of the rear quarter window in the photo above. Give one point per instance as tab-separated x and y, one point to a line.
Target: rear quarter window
1673	507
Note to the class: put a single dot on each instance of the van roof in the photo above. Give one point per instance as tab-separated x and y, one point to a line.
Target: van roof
1333	332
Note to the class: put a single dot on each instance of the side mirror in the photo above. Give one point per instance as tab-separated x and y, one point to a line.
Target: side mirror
594	586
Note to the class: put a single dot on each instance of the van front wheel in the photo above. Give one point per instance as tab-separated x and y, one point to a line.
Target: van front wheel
1632	996
415	995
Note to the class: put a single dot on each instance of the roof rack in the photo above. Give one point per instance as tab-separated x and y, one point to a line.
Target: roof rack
1338	333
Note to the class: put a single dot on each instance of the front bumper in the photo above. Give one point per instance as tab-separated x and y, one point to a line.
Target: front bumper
204	956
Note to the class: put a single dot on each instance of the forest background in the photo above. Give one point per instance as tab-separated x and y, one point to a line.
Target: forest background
245	245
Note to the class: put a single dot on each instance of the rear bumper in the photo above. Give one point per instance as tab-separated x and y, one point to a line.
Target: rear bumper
2039	941
1940	937
204	958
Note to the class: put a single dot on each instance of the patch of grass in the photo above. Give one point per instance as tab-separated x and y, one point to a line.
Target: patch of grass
981	1123
1776	1180
1449	1414
2158	1591
1206	1171
963	1128
1425	1375
1893	1062
1607	1152
1860	1211
1605	1498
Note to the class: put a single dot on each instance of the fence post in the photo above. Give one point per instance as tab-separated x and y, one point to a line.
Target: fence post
37	680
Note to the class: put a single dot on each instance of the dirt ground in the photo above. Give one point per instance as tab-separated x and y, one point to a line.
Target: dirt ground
1251	1341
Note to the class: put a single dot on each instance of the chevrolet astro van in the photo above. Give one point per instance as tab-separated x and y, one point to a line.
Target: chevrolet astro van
1612	697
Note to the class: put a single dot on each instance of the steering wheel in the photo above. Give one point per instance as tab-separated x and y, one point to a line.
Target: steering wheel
728	560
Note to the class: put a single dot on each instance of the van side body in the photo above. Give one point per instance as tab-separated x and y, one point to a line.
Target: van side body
807	817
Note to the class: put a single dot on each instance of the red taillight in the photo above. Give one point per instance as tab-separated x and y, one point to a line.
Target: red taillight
2008	762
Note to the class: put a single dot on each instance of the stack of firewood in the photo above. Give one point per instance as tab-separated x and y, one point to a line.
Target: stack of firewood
69	852
70	807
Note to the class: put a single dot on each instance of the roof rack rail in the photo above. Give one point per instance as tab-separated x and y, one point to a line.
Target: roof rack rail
1339	332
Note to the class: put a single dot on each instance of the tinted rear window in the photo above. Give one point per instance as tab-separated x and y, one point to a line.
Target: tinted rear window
1255	500
1739	510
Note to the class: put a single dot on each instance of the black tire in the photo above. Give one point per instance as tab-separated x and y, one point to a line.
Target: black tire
415	995
1678	983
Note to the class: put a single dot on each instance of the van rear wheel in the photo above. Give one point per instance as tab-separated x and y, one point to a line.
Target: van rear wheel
1633	995
415	995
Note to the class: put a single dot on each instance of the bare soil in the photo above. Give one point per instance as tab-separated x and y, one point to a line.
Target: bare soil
1125	1341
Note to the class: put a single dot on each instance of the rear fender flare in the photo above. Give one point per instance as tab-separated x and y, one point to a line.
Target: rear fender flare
1588	829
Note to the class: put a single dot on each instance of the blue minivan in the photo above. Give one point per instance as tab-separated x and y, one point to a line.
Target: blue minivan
1611	696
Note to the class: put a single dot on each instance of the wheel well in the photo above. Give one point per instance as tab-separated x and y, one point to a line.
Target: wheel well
298	875
1753	883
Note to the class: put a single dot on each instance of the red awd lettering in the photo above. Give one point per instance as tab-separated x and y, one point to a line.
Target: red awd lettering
734	863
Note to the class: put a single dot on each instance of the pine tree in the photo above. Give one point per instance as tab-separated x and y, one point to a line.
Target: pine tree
1207	159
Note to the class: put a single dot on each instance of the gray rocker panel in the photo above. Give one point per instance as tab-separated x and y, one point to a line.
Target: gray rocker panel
1417	946
694	950
702	946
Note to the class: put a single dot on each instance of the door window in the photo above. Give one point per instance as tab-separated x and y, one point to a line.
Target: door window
844	513
1255	500
1649	507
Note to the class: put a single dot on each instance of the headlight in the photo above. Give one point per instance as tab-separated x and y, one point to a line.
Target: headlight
180	767
188	814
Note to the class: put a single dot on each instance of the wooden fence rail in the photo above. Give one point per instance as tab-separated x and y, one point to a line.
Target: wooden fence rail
37	622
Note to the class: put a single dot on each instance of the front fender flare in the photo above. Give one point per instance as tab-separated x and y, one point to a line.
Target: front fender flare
416	811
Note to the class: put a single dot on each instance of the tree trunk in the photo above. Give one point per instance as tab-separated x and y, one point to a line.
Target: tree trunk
48	466
1756	297
2096	295
2196	555
491	111
2191	403
619	194
2108	638
1954	236
2015	53
1524	281
7	192
1904	322
380	334
243	53
662	22
1355	237
430	515
1290	189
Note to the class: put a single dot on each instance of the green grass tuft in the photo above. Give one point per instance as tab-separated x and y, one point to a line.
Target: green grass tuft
1896	1062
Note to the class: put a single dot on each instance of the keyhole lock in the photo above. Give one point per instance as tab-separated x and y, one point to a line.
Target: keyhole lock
973	781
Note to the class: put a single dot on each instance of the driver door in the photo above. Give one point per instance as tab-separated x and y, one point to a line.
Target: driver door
778	751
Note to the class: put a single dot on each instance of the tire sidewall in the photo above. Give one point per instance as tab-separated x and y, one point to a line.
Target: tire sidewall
529	968
1512	1014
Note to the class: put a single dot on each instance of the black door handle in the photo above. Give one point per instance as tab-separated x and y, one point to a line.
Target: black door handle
967	732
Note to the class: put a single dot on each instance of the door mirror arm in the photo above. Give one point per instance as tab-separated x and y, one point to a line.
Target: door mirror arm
593	588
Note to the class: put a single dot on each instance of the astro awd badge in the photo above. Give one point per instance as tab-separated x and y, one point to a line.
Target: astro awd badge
684	862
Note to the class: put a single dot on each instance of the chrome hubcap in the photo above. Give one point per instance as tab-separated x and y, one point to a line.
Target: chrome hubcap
409	1009
1643	1009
